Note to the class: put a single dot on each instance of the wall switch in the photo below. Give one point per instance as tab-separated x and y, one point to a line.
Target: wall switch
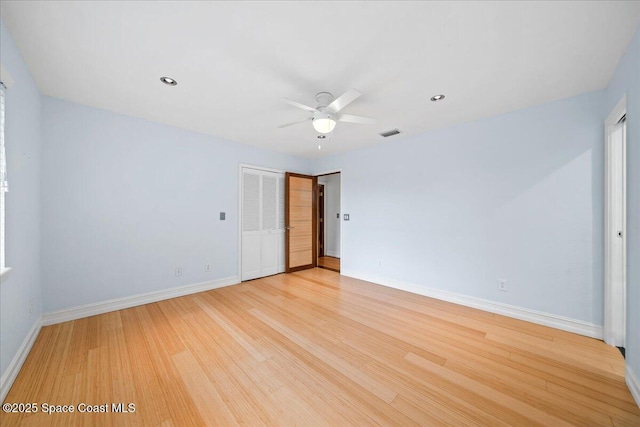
222	216
338	215
346	217
207	267
178	271
502	285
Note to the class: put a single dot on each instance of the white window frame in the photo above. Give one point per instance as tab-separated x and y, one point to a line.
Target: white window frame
6	81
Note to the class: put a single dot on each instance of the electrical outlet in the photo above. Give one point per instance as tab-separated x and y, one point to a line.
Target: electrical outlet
207	267
502	285
178	271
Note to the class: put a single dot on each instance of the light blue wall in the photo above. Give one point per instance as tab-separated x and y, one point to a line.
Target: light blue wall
517	196
23	138
126	200
627	80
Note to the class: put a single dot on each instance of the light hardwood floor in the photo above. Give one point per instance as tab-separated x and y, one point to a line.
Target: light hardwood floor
316	348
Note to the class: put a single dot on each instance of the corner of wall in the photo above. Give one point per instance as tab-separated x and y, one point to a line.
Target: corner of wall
21	302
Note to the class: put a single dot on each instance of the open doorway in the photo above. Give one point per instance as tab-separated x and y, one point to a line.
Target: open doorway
329	224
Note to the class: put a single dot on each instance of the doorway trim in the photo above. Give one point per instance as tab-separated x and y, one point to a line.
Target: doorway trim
615	299
329	172
314	222
321	219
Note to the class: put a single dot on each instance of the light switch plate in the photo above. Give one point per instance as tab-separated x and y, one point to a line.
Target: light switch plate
222	216
346	217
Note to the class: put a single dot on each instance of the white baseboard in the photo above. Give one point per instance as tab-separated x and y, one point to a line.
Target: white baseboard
547	319
132	301
16	364
634	384
333	254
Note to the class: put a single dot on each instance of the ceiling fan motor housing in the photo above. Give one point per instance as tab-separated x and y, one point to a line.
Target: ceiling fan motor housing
324	99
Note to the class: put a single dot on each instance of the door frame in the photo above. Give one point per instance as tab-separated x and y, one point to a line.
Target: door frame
242	166
329	172
614	328
314	222
321	220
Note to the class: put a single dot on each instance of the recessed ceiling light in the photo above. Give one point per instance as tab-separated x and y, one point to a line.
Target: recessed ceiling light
436	98
322	136
168	81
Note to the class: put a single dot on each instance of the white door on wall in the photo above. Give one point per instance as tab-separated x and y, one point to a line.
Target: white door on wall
615	296
262	223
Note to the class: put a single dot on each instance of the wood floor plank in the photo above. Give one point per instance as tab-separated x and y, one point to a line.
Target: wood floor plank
519	412
542	399
315	348
211	406
380	390
237	334
432	399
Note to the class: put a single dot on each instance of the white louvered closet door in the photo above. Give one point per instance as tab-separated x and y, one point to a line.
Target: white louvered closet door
262	223
269	261
281	229
251	182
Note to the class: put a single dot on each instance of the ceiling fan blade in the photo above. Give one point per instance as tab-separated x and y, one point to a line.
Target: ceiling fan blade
355	119
345	99
297	104
295	123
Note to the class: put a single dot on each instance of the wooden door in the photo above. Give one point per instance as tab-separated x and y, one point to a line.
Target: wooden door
320	220
300	219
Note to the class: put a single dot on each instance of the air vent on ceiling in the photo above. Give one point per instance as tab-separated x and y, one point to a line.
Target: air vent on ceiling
389	133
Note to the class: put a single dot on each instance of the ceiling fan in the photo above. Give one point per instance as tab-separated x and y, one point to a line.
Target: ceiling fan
327	113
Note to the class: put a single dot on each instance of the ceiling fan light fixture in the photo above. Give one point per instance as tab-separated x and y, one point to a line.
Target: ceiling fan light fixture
324	124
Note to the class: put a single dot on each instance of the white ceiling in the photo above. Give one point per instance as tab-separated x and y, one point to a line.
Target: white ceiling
235	61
